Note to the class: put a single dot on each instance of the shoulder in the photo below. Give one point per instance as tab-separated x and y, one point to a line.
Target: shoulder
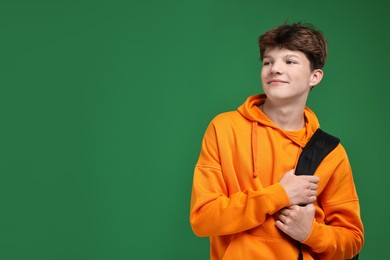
228	124
228	118
337	158
328	145
340	151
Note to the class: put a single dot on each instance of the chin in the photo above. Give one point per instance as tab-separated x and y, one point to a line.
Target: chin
277	93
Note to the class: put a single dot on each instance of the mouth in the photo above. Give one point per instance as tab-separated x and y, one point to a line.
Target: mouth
276	81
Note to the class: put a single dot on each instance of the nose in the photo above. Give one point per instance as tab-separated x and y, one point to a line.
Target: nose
276	68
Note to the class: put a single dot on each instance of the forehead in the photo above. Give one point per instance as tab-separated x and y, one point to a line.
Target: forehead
277	52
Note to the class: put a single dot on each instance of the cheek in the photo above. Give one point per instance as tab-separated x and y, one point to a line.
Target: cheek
263	74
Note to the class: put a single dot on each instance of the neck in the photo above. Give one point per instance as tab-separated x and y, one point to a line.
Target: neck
287	117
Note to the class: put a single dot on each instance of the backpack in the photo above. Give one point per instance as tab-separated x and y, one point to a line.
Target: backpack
318	147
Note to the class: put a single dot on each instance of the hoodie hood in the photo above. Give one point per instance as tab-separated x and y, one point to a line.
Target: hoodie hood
250	110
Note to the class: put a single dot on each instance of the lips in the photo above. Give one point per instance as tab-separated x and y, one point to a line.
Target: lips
276	81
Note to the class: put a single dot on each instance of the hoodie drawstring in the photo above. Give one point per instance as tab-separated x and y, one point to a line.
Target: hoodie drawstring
254	148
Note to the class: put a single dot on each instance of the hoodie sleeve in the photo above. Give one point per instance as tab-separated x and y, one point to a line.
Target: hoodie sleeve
215	211
340	235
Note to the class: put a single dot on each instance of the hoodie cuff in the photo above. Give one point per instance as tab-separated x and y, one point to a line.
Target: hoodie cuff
317	239
278	197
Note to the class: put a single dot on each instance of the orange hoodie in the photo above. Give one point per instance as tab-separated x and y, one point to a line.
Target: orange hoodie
236	194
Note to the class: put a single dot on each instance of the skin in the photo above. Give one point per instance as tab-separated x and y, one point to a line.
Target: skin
297	221
287	79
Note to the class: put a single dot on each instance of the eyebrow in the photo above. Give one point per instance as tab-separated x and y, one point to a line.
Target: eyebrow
285	56
291	56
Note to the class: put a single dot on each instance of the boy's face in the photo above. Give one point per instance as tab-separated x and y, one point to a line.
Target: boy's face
286	75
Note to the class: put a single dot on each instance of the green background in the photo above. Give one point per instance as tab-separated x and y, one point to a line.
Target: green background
103	105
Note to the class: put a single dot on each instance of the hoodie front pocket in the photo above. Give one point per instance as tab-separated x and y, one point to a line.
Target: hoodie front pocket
248	247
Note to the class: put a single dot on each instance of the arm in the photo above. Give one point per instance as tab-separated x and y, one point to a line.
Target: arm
338	233
216	210
214	213
341	237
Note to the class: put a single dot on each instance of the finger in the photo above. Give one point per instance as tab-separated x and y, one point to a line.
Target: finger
312	179
285	211
279	224
316	179
313	186
312	199
310	206
312	193
294	207
283	218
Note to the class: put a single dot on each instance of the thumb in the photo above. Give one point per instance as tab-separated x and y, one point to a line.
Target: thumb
287	175
290	172
310	207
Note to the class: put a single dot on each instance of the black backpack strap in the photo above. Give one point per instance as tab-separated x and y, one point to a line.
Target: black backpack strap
318	147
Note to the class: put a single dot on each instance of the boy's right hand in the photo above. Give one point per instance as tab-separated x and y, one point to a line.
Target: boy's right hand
300	189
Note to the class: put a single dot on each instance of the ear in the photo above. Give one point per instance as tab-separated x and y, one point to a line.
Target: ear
316	77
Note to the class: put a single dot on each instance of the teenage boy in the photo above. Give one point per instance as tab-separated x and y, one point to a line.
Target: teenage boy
245	195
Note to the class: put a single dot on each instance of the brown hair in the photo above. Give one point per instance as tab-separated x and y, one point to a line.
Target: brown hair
297	37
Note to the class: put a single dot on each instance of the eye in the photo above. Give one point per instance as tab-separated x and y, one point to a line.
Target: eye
291	62
266	63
